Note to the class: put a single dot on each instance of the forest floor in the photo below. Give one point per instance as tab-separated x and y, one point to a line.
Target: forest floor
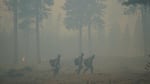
28	75
99	78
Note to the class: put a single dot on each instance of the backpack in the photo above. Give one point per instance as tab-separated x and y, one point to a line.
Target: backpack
76	61
52	63
87	62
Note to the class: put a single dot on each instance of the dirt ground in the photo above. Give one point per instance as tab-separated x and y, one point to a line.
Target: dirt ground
45	77
42	75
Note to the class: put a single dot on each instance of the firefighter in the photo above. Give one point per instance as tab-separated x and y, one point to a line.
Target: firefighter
55	64
79	63
89	64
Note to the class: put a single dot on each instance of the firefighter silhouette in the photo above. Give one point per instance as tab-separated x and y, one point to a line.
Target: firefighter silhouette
55	64
88	63
79	63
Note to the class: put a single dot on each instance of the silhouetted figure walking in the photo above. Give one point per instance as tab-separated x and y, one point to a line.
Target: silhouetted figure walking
147	67
89	64
55	64
78	62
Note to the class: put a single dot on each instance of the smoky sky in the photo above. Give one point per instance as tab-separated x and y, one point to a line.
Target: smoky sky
117	46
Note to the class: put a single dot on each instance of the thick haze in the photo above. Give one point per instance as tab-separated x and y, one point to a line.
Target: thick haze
118	46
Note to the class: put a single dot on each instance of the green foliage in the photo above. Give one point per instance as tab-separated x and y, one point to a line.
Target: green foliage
49	2
11	4
27	9
83	12
25	24
130	10
133	5
135	2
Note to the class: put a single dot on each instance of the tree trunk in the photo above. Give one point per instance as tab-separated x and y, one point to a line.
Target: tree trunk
15	15
89	40
80	40
146	31
27	45
58	34
37	31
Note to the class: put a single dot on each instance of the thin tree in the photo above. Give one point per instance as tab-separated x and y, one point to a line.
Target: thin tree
28	9
26	15
13	6
84	13
145	10
40	14
38	9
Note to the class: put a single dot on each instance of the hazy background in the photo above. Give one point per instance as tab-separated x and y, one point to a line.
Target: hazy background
118	48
